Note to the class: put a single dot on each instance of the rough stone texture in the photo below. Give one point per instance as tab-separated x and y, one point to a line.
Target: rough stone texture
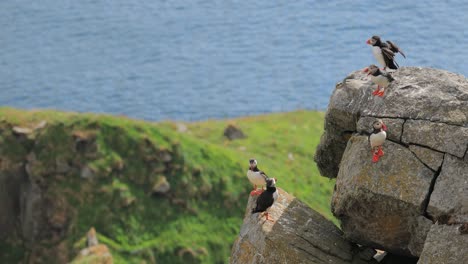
94	253
445	245
31	216
10	185
98	254
430	158
298	235
394	126
450	195
87	173
423	174
438	136
233	132
379	203
417	93
161	186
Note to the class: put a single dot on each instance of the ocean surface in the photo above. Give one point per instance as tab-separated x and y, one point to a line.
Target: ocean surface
193	60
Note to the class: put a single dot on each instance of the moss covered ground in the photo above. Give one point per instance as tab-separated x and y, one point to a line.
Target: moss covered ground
113	163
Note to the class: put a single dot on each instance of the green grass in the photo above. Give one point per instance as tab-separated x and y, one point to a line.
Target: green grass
199	219
273	139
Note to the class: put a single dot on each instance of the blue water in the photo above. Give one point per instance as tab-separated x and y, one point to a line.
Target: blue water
191	60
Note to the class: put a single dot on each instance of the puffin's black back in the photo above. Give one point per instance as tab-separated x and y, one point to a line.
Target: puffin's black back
265	200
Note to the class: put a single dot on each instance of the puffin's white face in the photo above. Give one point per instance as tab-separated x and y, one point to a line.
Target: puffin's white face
252	163
371	69
271	182
378	124
372	40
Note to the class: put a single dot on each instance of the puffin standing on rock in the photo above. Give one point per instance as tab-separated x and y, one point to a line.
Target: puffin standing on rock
267	198
381	78
377	138
384	52
256	177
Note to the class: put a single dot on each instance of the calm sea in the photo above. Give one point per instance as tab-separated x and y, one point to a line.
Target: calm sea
192	60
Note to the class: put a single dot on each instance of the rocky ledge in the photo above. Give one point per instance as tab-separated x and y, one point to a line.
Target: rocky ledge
416	197
297	235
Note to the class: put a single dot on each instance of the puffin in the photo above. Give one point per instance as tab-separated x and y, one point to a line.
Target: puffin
266	198
379	77
256	177
377	138
384	52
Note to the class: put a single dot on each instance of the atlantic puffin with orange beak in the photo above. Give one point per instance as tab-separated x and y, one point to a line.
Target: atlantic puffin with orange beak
379	77
266	199
256	177
385	52
377	139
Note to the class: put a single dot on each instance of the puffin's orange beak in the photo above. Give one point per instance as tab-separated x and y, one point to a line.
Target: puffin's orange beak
366	70
384	127
368	41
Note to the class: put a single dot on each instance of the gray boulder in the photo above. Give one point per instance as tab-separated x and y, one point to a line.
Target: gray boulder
450	195
422	178
379	204
297	235
445	245
438	97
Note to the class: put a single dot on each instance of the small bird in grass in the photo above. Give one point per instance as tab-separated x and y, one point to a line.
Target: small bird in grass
384	52
381	78
266	198
377	138
256	177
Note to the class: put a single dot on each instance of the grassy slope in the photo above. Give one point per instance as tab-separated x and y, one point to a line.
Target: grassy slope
210	170
270	139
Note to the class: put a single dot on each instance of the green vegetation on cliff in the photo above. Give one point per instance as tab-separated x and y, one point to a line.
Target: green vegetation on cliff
112	173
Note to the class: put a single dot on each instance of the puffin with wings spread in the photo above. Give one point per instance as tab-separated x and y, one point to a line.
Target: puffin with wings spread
385	52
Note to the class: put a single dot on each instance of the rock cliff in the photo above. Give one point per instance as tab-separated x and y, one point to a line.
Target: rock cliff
297	235
423	177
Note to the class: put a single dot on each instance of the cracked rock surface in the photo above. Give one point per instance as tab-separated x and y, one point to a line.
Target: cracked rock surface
422	178
444	244
298	235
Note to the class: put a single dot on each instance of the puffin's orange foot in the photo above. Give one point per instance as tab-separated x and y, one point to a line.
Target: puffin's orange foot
380	152
267	217
255	192
381	93
376	92
375	157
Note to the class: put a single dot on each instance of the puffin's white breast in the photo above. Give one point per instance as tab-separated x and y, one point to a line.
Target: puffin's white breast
378	55
380	80
377	139
256	178
276	195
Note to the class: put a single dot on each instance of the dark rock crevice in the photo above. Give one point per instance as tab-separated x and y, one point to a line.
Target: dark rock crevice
428	196
405	146
415	119
424	163
326	252
402	130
